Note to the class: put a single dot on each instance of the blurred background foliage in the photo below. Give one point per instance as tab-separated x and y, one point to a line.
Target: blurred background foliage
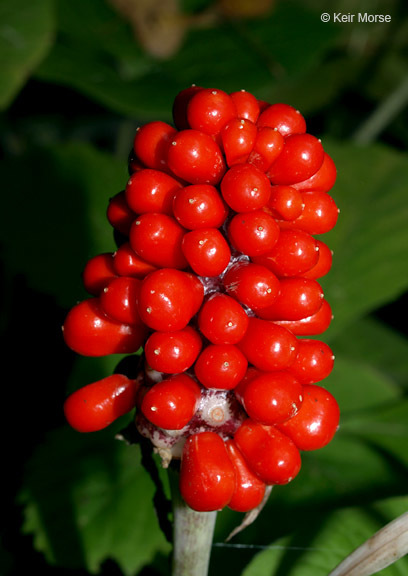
76	78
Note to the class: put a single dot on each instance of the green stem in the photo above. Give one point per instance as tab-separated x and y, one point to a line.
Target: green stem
383	115
192	535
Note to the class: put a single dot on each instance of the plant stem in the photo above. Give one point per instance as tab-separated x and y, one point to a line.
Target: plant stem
383	115
192	535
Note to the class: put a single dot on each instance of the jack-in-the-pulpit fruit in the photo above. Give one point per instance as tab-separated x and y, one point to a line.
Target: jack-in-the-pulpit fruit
214	282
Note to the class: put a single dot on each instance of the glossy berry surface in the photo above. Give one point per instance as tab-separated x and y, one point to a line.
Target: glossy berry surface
271	455
151	191
171	403
222	319
285	118
151	144
157	238
90	332
316	423
220	366
272	397
253	233
212	291
168	299
252	284
199	206
206	251
207	475
95	406
249	489
301	157
245	188
120	299
196	158
298	298
173	352
268	346
314	361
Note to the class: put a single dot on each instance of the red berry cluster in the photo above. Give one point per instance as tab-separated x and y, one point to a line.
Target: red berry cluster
216	276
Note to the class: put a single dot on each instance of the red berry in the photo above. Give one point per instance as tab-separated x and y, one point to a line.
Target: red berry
312	325
268	346
285	202
284	118
249	489
209	110
119	299
298	298
169	298
220	366
251	373
294	253
89	331
251	284
272	397
267	147
238	139
96	405
253	233
207	475
199	206
314	361
127	263
194	157
245	188
323	264
151	191
118	213
151	144
206	251
98	272
246	105
301	157
269	453
171	403
323	180
317	421
222	319
157	238
319	214
173	352
180	105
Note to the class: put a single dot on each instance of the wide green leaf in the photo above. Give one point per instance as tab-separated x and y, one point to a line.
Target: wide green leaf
316	547
26	36
373	344
370	239
87	499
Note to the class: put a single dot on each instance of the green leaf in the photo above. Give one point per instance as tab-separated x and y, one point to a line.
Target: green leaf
26	36
316	547
375	345
370	239
88	499
59	198
385	428
359	385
